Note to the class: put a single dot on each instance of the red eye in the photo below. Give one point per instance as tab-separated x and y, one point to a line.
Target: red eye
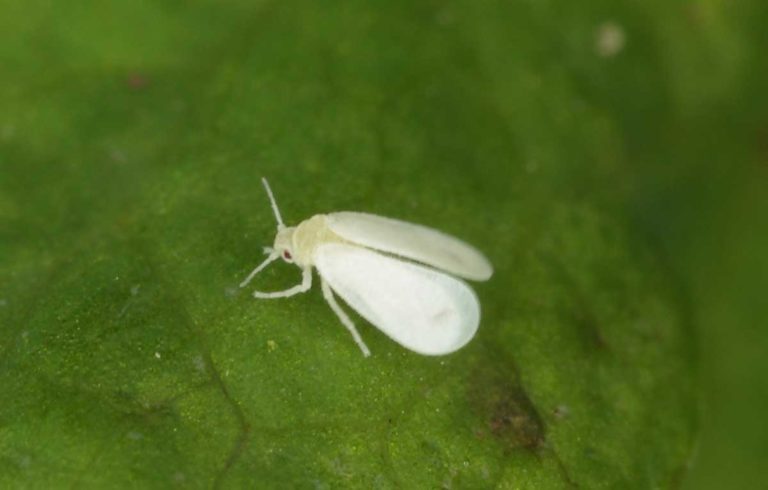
287	255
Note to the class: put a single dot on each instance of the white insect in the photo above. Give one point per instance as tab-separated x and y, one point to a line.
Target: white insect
370	260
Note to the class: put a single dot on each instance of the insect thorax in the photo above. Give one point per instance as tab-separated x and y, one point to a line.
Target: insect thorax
308	235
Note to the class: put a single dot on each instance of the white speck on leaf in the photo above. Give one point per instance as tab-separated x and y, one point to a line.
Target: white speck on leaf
609	39
199	363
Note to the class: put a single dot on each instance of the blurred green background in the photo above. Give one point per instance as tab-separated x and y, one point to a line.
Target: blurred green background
627	138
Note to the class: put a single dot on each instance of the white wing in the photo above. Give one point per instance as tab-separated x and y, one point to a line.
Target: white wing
415	242
420	308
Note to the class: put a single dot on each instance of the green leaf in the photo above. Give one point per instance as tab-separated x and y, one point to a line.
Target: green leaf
133	137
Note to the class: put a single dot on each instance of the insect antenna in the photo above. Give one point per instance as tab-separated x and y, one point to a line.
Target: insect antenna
272	201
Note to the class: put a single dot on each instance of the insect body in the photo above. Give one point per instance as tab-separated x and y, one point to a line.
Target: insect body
393	273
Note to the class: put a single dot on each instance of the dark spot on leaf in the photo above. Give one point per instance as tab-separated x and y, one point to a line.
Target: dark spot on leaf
506	411
514	419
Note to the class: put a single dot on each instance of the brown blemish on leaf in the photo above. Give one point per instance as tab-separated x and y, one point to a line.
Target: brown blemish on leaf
510	416
507	413
515	420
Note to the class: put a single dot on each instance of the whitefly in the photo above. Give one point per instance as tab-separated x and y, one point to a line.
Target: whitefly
402	277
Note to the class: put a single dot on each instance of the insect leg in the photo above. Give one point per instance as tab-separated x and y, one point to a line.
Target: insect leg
306	283
328	294
273	255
